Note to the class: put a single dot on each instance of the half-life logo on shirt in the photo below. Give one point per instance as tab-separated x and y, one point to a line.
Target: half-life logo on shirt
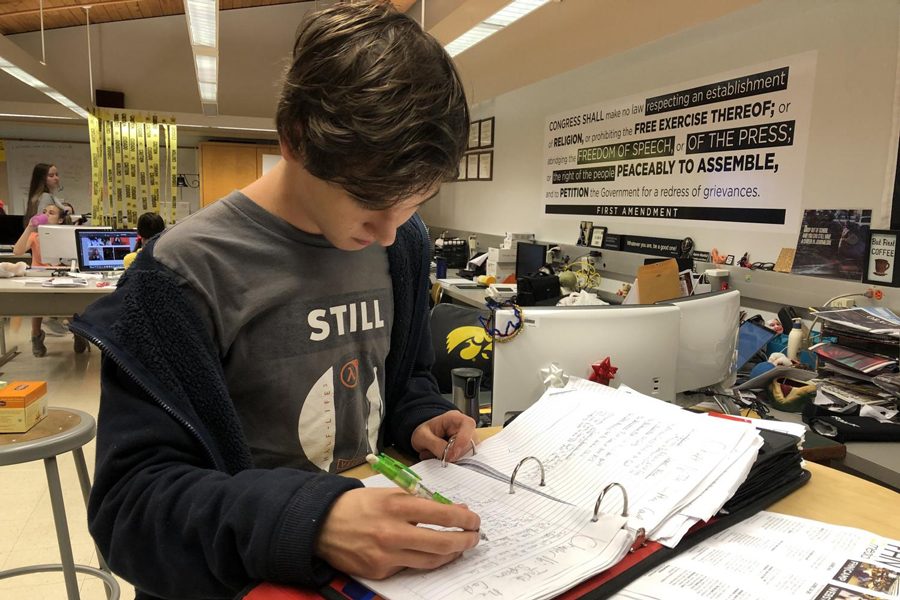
342	414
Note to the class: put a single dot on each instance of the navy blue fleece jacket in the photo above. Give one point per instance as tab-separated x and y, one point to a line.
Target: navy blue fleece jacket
177	507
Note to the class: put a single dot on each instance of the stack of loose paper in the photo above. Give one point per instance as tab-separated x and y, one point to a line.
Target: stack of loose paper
677	468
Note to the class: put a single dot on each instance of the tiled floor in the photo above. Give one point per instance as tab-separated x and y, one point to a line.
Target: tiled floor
27	534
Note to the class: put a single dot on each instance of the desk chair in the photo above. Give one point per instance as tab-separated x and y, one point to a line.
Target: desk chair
459	340
63	430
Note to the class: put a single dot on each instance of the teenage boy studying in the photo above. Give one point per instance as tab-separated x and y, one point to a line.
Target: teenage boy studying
280	335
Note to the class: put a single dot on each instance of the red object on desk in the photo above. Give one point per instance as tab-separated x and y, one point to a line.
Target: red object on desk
603	371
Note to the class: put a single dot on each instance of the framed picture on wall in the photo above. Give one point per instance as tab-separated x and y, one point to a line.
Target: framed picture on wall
472	166
486	133
486	165
881	258
474	131
597	235
584	234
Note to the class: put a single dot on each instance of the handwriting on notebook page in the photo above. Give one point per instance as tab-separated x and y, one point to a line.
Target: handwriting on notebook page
663	455
534	542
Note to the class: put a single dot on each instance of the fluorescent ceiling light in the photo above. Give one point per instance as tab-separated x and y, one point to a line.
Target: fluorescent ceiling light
504	17
39	85
203	25
206	68
19	116
203	19
208	91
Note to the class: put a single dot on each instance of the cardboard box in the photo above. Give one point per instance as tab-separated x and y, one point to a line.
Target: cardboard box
502	255
22	405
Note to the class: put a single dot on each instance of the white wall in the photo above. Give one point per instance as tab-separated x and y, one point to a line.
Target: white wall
852	137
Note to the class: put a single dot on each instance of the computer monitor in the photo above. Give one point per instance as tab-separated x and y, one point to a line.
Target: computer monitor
641	341
58	242
104	250
11	228
708	340
529	258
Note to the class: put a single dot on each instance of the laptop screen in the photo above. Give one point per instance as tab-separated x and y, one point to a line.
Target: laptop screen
751	339
104	250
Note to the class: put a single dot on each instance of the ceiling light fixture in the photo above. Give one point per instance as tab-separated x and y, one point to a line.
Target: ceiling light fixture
504	17
203	27
39	85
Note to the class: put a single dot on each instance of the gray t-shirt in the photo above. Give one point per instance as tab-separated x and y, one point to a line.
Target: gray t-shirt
302	328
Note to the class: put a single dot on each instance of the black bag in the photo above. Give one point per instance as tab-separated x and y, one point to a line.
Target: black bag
538	290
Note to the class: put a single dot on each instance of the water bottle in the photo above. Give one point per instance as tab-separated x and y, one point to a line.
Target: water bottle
40	219
795	339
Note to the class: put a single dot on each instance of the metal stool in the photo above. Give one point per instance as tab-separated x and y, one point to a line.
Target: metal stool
64	430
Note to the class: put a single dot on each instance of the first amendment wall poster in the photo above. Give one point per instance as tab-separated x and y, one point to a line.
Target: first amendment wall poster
729	147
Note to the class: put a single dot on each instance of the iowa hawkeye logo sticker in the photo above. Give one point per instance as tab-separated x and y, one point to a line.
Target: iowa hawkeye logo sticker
469	342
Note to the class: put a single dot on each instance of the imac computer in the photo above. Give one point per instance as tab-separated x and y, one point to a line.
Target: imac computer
641	341
104	250
58	242
529	258
708	341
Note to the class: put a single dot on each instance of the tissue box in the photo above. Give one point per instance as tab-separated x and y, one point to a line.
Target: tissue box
22	405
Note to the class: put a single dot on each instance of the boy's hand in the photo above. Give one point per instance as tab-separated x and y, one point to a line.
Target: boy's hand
371	532
431	437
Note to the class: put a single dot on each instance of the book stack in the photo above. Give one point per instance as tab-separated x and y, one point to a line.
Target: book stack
861	384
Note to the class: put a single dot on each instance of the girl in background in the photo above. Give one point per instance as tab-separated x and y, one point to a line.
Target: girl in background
29	241
148	225
44	184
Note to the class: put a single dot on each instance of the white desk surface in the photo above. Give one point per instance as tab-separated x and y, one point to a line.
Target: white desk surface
466	296
18	299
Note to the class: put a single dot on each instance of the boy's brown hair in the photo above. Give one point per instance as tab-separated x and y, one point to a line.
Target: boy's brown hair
372	103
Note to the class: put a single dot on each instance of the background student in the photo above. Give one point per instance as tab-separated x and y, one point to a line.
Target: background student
148	225
29	241
44	184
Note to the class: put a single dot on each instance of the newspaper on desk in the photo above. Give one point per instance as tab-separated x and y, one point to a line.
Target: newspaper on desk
771	556
678	468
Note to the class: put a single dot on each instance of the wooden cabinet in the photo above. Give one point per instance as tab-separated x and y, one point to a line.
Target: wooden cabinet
226	166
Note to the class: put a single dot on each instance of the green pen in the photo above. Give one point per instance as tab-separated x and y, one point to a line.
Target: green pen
404	477
407	479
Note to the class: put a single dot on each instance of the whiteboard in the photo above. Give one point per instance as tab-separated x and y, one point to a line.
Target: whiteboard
72	159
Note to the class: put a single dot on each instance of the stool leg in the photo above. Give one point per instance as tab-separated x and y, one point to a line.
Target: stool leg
85	480
62	528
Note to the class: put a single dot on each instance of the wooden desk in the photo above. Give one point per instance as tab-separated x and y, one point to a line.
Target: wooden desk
830	496
18	299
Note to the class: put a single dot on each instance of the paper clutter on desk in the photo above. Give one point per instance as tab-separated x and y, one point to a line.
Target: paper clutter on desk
554	376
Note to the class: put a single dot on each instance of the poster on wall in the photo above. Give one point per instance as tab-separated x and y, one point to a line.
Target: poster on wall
832	243
729	147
